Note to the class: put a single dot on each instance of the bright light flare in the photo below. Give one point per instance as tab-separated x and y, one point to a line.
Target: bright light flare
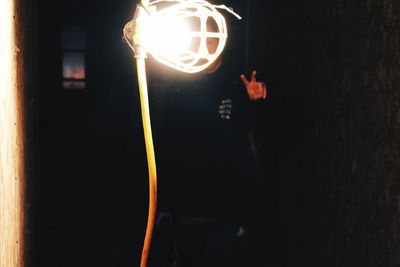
174	35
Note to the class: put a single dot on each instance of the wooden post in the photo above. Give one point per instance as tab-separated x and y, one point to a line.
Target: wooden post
11	141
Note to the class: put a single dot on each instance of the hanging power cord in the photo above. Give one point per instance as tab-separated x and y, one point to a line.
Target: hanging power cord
138	33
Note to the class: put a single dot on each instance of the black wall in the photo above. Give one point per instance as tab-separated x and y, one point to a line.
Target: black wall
341	173
91	200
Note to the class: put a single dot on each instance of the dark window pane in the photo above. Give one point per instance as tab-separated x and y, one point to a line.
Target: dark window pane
73	84
73	65
73	38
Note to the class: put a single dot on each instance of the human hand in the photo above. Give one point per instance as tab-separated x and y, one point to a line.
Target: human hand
256	90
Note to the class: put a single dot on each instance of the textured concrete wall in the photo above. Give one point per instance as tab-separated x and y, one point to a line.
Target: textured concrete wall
342	175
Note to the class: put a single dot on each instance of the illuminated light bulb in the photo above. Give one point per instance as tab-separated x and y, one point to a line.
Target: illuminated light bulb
172	34
165	29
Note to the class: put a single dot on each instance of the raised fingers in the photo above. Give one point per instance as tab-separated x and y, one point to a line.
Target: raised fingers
244	79
253	76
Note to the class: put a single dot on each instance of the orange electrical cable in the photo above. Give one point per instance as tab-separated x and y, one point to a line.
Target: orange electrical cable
151	161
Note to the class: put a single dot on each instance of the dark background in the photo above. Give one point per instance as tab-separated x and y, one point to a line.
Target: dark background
331	126
89	200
